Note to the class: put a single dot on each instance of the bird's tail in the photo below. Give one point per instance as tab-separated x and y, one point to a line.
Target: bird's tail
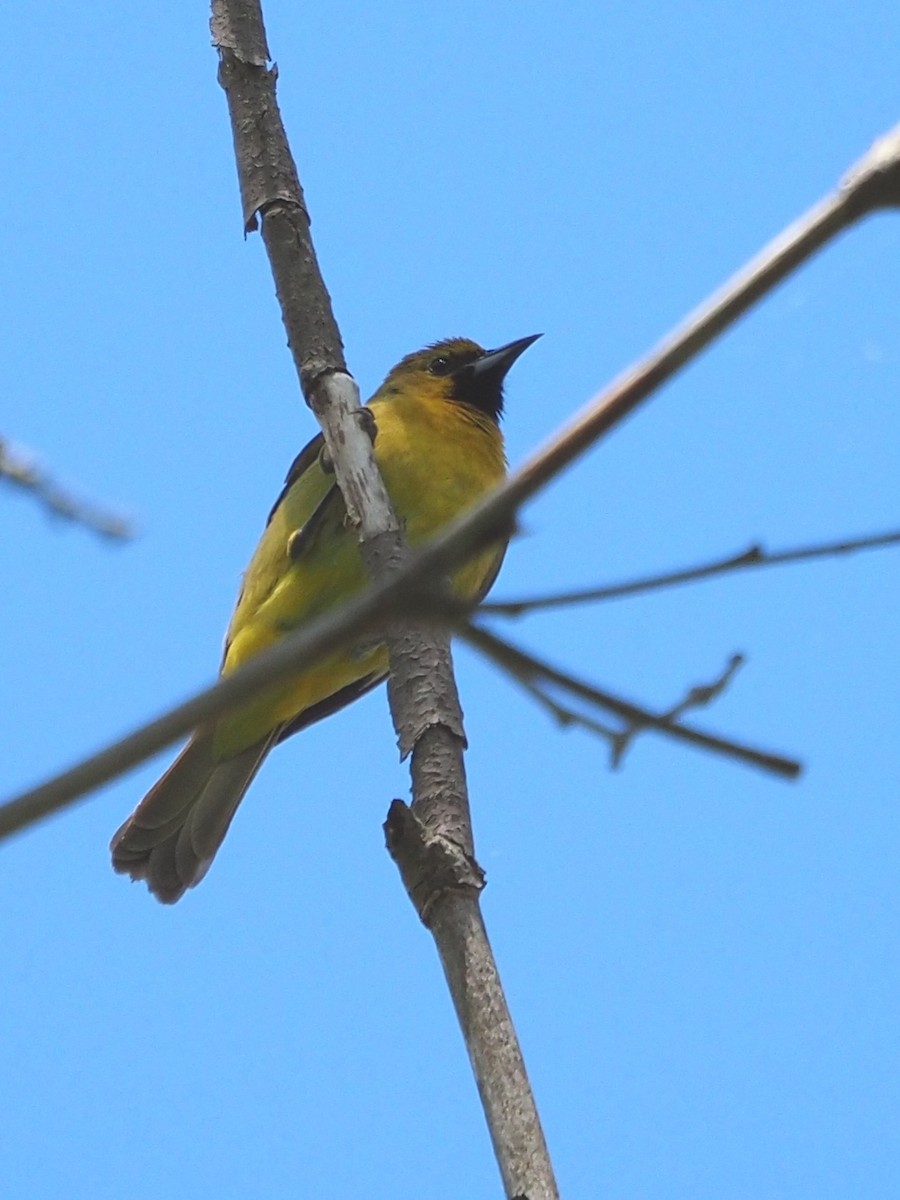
172	836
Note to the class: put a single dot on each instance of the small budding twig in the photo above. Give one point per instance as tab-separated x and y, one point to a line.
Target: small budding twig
24	473
699	696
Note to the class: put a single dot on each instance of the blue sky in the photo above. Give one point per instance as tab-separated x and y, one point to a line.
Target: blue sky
701	961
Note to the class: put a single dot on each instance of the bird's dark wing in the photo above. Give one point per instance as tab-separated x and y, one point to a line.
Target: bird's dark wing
307	456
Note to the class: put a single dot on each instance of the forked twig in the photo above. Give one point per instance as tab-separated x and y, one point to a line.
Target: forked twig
621	738
698	696
524	666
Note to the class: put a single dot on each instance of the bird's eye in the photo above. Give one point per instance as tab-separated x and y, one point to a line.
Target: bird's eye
440	366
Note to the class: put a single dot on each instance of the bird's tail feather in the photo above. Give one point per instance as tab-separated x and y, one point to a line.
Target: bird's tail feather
172	836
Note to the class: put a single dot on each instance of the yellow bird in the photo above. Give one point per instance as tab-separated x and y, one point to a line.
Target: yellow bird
439	448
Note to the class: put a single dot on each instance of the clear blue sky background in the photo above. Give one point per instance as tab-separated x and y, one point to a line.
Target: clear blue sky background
702	961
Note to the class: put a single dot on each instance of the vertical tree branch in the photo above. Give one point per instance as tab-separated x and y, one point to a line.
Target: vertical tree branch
424	701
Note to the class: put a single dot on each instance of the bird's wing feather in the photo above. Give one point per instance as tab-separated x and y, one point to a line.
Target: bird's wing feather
331	704
307	456
309	500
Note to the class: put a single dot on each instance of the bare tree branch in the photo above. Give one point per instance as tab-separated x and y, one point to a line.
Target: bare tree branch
535	672
422	690
23	472
754	556
437	883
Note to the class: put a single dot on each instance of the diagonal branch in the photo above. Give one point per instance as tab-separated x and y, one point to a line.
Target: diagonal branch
754	556
526	667
856	197
298	651
871	184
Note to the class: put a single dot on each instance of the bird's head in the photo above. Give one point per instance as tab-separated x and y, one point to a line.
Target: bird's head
457	370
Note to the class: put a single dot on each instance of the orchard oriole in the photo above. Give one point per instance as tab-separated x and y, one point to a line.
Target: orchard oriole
439	448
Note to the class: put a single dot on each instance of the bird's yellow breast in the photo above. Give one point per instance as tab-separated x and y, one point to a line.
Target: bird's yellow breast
437	458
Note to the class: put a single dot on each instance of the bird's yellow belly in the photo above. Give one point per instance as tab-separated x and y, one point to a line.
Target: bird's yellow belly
434	470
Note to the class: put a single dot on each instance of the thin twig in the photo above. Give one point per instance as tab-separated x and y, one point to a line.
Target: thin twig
523	665
23	472
754	556
703	694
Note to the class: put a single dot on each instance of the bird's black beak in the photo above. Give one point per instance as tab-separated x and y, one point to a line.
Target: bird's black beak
480	383
494	364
